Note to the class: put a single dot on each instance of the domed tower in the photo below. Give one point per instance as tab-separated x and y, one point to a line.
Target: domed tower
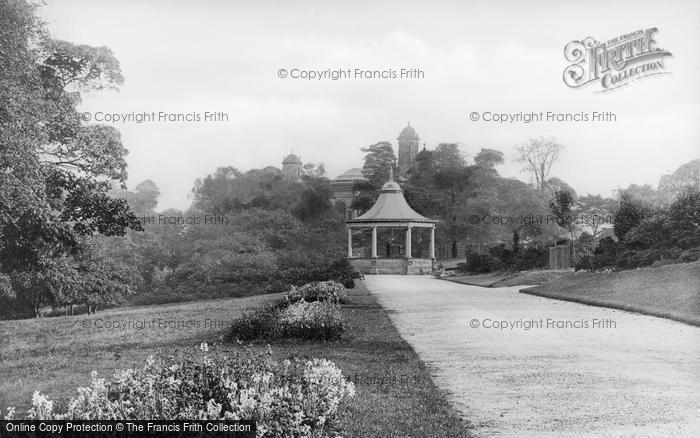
292	167
408	149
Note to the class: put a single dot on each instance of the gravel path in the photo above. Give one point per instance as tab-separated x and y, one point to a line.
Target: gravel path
630	376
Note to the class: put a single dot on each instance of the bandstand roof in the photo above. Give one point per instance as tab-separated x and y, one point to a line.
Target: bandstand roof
391	206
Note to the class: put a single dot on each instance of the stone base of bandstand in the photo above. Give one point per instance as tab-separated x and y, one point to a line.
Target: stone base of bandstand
403	266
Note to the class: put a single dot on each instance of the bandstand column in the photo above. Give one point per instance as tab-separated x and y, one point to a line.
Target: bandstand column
374	242
432	243
349	242
408	242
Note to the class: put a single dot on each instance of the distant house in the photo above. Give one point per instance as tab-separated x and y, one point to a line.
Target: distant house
343	193
342	186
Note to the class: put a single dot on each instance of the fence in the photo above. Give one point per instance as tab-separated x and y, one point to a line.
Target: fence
560	257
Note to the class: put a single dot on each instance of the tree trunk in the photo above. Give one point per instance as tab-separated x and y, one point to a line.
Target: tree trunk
516	241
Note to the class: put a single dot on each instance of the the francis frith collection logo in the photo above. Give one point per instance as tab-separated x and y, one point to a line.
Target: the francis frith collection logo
615	63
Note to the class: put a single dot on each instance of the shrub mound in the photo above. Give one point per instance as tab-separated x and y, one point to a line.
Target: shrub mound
308	312
330	291
296	398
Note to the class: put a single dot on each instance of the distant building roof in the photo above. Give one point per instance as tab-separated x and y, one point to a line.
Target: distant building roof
391	206
408	132
353	174
291	159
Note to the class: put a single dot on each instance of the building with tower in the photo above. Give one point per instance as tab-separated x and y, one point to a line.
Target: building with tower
408	149
343	185
292	167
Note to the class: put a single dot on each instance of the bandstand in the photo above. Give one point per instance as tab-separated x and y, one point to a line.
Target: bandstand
393	212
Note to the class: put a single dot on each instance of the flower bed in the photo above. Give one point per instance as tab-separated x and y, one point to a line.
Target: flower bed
296	398
308	312
330	291
318	320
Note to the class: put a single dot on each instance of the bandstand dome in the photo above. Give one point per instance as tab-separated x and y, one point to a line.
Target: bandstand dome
391	206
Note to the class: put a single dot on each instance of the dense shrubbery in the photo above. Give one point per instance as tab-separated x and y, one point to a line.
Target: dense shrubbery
340	271
308	312
650	236
260	323
503	258
297	398
479	263
245	283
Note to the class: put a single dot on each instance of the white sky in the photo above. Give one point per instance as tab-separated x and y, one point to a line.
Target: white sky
187	56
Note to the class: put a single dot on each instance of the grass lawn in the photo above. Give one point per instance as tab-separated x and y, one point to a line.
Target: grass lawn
671	291
395	394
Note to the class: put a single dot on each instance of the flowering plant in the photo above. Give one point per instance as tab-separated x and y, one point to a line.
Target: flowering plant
316	320
299	399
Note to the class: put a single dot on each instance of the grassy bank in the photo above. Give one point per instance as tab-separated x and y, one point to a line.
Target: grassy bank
671	291
497	279
395	395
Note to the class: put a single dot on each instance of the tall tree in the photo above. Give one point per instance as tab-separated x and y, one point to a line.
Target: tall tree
488	158
594	212
644	193
563	205
55	172
522	209
448	155
379	160
538	156
687	176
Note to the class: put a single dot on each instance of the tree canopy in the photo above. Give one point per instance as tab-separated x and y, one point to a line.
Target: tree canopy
55	171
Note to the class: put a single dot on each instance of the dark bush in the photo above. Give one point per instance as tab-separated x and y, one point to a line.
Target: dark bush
630	214
480	263
531	258
340	271
260	323
652	232
689	255
584	263
503	258
605	254
684	220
